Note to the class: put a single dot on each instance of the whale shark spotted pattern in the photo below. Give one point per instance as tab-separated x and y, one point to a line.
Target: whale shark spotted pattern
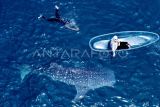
83	80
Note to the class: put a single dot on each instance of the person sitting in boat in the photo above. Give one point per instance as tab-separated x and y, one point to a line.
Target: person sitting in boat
115	44
68	24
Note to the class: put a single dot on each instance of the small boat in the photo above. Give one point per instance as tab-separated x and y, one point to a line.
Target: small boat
136	39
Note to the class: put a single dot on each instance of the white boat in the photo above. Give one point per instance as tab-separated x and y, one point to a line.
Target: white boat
136	39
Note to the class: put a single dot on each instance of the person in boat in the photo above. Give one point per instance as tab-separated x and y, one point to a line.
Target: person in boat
58	19
115	44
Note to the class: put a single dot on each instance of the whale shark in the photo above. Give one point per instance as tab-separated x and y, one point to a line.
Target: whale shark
83	79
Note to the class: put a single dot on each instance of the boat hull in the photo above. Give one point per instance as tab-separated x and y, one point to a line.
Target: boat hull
136	39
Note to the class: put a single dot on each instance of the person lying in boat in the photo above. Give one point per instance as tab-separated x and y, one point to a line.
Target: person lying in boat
115	44
68	24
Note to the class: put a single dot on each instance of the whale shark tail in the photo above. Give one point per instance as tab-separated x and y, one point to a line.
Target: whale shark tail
81	91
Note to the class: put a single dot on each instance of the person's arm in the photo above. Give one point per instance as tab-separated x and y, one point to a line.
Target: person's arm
114	53
57	15
114	47
118	43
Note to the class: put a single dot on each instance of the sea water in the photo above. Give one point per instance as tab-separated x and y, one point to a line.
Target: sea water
29	48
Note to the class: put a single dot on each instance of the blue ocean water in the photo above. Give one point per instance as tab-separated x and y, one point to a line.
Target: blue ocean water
39	69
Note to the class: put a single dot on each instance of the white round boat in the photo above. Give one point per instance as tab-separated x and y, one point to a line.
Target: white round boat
136	39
